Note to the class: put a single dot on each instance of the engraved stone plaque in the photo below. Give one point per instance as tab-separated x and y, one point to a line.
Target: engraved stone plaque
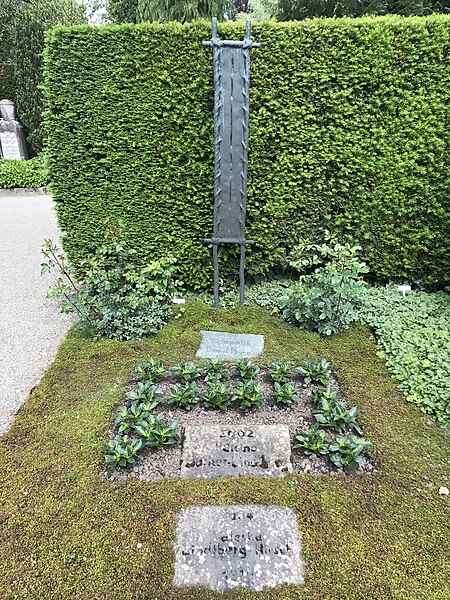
243	546
10	145
226	450
217	344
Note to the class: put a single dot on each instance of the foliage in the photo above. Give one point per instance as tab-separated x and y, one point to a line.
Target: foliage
23	173
246	369
285	393
29	23
184	396
146	393
181	10
336	415
345	452
215	369
249	394
280	371
314	441
314	372
187	371
123	451
327	300
113	296
129	416
217	395
6	80
304	9
150	371
336	136
155	432
413	332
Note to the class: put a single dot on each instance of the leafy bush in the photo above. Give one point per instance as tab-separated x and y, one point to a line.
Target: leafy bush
184	396
155	432
285	393
314	441
113	296
150	371
327	300
215	369
413	332
280	371
337	141
246	369
217	395
314	372
187	371
345	452
249	394
123	451
30	173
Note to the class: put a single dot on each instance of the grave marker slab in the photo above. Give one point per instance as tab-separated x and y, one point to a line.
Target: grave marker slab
226	450
218	344
246	546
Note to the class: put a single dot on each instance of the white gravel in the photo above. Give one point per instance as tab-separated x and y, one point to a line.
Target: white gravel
31	327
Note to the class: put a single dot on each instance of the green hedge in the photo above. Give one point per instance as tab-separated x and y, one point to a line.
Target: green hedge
23	173
349	131
7	81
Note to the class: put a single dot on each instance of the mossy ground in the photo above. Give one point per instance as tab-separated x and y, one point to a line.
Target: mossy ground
66	533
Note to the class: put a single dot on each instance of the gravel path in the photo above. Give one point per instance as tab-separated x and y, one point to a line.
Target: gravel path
31	327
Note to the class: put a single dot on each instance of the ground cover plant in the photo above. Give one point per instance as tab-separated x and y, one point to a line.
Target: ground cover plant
238	387
67	533
30	173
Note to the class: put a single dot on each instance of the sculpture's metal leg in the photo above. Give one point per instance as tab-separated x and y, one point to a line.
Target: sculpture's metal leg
216	274
242	275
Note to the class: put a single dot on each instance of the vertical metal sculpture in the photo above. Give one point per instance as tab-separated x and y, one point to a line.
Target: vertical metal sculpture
231	115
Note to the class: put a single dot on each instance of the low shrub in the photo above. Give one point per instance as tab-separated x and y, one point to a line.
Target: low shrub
30	173
112	296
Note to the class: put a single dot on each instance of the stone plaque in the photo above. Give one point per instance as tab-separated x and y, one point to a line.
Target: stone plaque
10	145
227	450
217	344
226	547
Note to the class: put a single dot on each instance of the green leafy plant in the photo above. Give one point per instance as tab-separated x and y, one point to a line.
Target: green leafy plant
346	451
217	395
249	394
326	300
184	396
315	372
146	392
156	432
280	371
111	295
127	417
285	393
336	415
187	371
215	369
122	451
314	441
151	371
324	392
246	369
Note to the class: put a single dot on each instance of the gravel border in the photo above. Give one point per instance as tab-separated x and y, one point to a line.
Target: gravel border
153	465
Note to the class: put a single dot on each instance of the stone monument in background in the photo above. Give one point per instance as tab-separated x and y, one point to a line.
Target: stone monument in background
12	135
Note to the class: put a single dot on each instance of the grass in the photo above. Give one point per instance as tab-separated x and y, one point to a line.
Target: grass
66	533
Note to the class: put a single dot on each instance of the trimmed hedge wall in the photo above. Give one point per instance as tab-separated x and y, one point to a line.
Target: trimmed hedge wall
7	81
30	173
349	131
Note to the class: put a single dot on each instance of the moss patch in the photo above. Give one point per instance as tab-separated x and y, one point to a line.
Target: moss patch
66	533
